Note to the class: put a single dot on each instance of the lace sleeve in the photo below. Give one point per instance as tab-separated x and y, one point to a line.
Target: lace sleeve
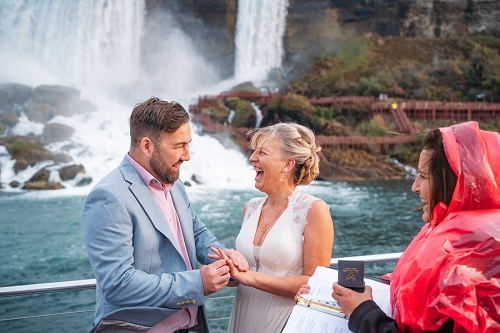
251	206
301	203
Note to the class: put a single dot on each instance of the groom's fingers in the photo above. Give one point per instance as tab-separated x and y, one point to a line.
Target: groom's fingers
223	255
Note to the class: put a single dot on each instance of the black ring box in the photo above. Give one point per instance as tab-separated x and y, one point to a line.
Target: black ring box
351	274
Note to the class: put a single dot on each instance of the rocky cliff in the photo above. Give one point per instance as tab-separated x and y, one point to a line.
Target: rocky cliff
319	27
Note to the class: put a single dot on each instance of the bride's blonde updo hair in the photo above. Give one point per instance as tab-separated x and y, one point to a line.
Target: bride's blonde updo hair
296	142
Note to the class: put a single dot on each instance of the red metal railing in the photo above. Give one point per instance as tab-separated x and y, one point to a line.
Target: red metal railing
431	110
402	112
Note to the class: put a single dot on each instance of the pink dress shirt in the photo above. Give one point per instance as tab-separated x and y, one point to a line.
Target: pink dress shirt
186	317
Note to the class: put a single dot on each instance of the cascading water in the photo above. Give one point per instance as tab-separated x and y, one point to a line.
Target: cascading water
76	41
95	46
260	28
258	115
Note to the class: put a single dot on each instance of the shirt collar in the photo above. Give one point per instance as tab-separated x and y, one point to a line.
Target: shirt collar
148	178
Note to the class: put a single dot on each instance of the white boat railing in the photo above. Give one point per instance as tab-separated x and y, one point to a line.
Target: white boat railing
54	287
370	258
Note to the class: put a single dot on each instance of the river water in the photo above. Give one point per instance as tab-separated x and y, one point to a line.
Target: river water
41	241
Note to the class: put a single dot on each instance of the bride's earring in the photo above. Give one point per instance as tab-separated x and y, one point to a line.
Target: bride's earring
282	179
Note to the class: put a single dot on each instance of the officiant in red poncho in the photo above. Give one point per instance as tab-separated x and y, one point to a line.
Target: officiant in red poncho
448	278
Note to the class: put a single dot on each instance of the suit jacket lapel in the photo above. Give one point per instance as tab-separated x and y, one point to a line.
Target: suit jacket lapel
143	196
186	223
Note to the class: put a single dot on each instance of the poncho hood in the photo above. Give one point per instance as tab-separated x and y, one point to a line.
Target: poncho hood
451	269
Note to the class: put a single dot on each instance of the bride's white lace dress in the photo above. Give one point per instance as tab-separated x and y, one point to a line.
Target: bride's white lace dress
280	254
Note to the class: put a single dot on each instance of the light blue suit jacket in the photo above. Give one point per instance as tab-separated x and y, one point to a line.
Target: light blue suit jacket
141	275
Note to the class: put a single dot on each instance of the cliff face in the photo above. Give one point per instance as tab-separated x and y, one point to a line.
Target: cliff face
321	26
451	17
316	27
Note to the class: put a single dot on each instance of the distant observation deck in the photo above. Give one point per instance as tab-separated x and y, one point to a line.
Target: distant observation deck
403	112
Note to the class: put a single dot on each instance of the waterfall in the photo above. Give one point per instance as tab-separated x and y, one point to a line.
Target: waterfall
77	41
95	46
230	116
258	115
260	27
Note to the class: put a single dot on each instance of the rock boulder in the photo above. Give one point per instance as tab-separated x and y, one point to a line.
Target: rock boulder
84	106
26	152
42	185
54	132
70	172
12	95
9	119
40	181
56	95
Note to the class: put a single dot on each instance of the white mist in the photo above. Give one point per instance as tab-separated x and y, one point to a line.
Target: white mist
94	46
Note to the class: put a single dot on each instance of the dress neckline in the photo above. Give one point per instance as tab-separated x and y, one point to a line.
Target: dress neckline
291	198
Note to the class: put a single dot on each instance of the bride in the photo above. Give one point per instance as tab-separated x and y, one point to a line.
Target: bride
285	235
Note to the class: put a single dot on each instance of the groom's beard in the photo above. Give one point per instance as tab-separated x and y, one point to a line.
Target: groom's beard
162	170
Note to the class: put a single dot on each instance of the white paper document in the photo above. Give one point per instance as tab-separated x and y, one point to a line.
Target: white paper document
318	312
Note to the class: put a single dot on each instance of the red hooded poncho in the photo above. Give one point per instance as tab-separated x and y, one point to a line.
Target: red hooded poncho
451	269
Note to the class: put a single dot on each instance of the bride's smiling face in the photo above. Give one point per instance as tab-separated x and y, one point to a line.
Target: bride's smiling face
268	164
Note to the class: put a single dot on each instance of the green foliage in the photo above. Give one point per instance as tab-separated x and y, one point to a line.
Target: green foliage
323	112
25	149
244	114
328	126
406	154
371	128
235	103
352	53
493	126
353	158
219	114
297	103
325	54
368	86
441	69
373	148
492	75
291	107
419	140
315	119
352	114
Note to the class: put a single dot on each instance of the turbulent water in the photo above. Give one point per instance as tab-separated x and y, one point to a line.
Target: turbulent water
41	241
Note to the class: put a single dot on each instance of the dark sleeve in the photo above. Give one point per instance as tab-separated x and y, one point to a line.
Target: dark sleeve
369	318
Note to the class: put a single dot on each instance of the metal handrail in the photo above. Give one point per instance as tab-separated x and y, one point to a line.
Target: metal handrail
370	258
41	288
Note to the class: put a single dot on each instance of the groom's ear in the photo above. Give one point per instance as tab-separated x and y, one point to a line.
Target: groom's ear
147	146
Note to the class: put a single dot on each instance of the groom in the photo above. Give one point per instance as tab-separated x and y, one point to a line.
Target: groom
143	238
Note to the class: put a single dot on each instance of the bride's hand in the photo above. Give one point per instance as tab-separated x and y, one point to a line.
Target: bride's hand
236	274
238	259
304	289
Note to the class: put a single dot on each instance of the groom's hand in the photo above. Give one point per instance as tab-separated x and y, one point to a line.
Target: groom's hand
214	276
239	261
